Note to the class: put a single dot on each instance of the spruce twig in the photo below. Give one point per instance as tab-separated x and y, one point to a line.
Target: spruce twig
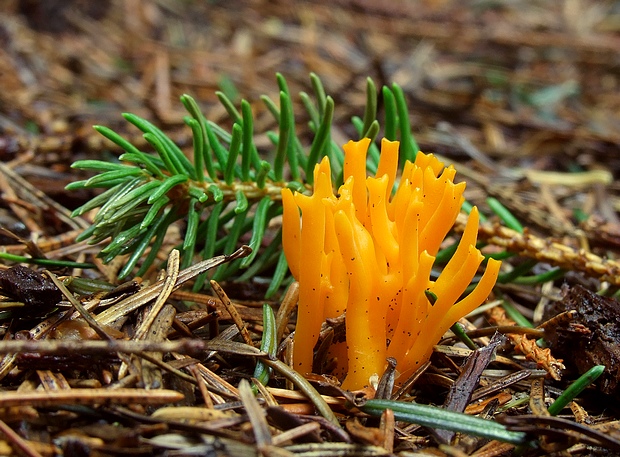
223	189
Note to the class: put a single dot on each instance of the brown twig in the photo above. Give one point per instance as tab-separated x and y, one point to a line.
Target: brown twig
42	399
549	251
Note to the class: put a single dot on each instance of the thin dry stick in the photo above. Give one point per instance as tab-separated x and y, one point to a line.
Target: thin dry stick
202	386
387	426
44	399
294	433
17	442
192	347
247	339
264	392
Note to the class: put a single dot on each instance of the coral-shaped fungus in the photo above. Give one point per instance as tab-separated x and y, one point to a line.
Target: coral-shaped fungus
369	251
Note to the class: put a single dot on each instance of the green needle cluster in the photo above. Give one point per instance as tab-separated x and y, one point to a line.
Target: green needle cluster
225	188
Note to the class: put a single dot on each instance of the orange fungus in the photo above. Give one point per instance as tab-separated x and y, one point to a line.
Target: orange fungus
368	251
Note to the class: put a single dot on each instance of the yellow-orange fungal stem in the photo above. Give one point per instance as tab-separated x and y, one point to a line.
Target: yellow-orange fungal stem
478	295
469	237
413	310
310	308
337	295
448	174
400	197
449	290
437	226
323	179
291	231
397	208
429	161
390	291
381	226
365	327
409	231
369	251
388	164
355	166
423	347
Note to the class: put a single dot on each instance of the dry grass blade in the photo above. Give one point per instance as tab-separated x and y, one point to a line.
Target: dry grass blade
243	330
151	376
232	347
256	414
537	398
500	384
172	274
149	293
297	432
192	413
78	306
463	388
226	335
461	391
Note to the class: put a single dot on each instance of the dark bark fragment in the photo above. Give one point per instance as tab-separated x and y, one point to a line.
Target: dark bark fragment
591	338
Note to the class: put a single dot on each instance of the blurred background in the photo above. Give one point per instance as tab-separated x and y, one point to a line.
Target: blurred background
495	85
